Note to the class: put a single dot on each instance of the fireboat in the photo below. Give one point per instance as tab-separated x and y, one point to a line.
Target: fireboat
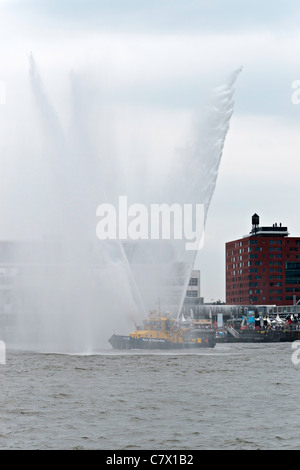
163	332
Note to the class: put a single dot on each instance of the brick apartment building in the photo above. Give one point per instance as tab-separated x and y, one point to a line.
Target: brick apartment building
263	268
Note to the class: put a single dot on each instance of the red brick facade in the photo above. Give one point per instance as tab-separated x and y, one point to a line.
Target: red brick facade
263	268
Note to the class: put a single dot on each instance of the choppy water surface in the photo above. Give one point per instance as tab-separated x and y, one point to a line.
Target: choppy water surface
240	396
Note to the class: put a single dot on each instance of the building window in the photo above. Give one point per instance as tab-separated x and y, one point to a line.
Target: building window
292	273
193	281
191	293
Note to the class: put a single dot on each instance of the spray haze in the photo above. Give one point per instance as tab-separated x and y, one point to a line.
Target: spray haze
71	290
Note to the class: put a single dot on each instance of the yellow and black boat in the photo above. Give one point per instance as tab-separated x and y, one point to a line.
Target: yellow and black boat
162	332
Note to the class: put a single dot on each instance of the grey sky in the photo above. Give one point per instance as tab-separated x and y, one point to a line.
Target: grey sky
187	16
246	33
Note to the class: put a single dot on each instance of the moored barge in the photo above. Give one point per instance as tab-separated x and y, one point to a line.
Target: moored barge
261	330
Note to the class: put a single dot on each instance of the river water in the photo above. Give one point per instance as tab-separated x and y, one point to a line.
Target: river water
239	396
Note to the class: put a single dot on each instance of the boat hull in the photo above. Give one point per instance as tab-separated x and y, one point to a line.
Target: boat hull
261	336
126	342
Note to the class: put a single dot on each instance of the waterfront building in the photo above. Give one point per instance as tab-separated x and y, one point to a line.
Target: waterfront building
193	299
263	267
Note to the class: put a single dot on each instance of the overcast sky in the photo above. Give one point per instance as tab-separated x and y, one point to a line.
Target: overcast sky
162	55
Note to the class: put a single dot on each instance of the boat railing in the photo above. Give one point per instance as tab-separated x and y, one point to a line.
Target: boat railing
233	332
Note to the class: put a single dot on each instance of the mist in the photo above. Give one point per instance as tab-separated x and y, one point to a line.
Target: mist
70	290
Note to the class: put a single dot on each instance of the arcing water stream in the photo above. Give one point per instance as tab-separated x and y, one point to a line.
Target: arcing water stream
71	290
